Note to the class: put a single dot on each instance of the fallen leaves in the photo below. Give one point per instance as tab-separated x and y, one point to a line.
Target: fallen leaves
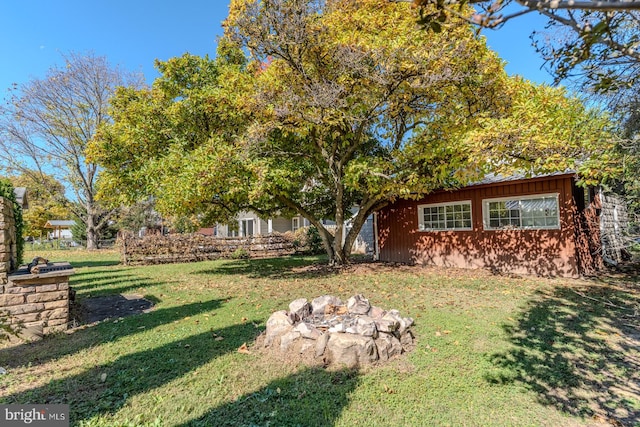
244	349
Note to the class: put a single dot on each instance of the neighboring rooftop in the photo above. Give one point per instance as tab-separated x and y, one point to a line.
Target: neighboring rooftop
59	223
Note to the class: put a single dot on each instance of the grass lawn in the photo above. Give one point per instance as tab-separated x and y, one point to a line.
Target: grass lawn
491	350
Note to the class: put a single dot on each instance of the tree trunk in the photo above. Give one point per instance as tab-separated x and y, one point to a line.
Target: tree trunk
92	230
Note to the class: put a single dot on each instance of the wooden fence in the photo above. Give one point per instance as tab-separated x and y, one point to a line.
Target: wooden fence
172	248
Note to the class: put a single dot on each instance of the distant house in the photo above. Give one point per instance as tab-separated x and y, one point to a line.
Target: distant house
250	224
61	228
544	225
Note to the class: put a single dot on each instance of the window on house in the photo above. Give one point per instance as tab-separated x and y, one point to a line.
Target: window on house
246	227
445	216
295	224
530	212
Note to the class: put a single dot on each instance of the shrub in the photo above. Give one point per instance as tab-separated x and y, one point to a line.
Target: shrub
240	253
307	240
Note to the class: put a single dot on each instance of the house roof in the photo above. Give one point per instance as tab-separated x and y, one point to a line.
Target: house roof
59	223
497	178
21	197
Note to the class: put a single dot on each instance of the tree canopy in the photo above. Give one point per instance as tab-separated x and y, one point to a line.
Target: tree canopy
46	201
339	104
47	124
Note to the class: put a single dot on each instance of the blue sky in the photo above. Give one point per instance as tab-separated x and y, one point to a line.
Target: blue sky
132	34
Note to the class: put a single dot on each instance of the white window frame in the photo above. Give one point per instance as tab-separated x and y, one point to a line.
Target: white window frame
295	223
485	212
423	227
242	227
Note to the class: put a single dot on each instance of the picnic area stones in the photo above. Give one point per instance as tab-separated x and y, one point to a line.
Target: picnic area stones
333	333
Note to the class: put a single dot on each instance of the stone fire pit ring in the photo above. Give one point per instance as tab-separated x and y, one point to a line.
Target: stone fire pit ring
352	334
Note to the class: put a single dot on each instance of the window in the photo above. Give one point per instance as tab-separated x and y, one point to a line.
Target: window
295	224
246	227
445	216
530	212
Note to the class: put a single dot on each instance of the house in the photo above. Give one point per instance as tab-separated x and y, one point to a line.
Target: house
61	228
250	224
544	225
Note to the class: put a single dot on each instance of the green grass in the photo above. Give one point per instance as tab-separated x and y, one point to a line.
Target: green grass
491	350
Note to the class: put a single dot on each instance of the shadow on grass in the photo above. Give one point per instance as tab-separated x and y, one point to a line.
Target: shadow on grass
579	350
312	397
59	345
108	282
105	388
274	268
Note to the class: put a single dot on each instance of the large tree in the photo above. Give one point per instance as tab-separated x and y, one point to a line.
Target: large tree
341	104
47	124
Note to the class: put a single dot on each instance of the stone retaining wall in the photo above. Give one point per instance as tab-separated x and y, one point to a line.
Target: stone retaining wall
8	242
34	304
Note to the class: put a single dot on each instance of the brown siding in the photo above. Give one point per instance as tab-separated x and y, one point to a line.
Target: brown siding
540	252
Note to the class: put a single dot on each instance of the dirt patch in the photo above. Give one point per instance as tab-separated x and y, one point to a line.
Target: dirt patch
97	309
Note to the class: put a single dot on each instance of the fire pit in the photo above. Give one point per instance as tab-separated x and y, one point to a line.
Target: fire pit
351	334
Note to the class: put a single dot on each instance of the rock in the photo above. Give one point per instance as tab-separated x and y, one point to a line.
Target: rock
388	346
366	326
376	312
338	328
288	339
335	310
358	304
321	344
406	339
319	304
351	350
307	330
306	345
300	307
278	324
387	324
404	323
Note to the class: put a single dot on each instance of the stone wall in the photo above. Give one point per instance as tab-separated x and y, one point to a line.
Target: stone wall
8	247
37	304
34	304
171	248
